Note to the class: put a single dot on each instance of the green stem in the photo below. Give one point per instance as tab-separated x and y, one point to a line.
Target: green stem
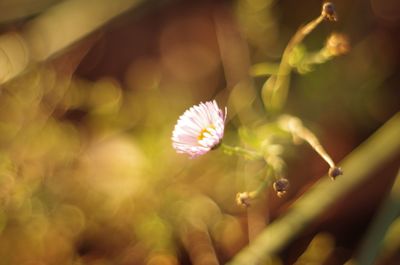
236	150
263	185
358	166
320	57
274	91
263	69
387	214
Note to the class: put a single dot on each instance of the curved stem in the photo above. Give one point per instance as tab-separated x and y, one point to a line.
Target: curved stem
274	91
370	156
240	151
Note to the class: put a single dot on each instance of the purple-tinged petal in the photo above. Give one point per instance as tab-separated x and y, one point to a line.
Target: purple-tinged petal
199	129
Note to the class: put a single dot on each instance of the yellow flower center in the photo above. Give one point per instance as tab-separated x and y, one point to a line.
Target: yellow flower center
204	131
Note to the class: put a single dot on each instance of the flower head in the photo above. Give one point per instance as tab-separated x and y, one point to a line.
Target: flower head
335	172
328	11
281	186
243	199
337	44
199	129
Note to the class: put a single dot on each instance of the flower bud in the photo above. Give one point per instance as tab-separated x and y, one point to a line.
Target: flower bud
243	199
328	11
337	44
335	172
281	186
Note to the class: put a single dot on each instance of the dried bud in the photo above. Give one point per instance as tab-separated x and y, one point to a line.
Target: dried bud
337	44
328	11
243	199
281	186
335	172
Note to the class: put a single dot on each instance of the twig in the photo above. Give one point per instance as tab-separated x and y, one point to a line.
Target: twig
381	146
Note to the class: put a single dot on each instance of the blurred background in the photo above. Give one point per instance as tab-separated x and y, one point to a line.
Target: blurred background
91	91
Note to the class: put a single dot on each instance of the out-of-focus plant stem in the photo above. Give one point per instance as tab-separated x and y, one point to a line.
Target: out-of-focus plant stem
195	236
55	30
12	10
391	242
275	89
262	69
373	241
299	132
337	44
358	166
236	150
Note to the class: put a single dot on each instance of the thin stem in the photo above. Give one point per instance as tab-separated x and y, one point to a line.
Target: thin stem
337	44
319	57
263	185
296	128
302	32
274	91
359	165
276	163
269	173
262	69
236	150
267	178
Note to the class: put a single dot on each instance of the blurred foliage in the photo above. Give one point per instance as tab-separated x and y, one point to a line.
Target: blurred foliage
87	171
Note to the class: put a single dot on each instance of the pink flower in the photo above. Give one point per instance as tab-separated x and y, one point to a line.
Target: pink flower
199	129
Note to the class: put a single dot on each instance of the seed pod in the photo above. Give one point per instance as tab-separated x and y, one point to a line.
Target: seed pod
335	172
328	11
243	199
337	44
281	186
